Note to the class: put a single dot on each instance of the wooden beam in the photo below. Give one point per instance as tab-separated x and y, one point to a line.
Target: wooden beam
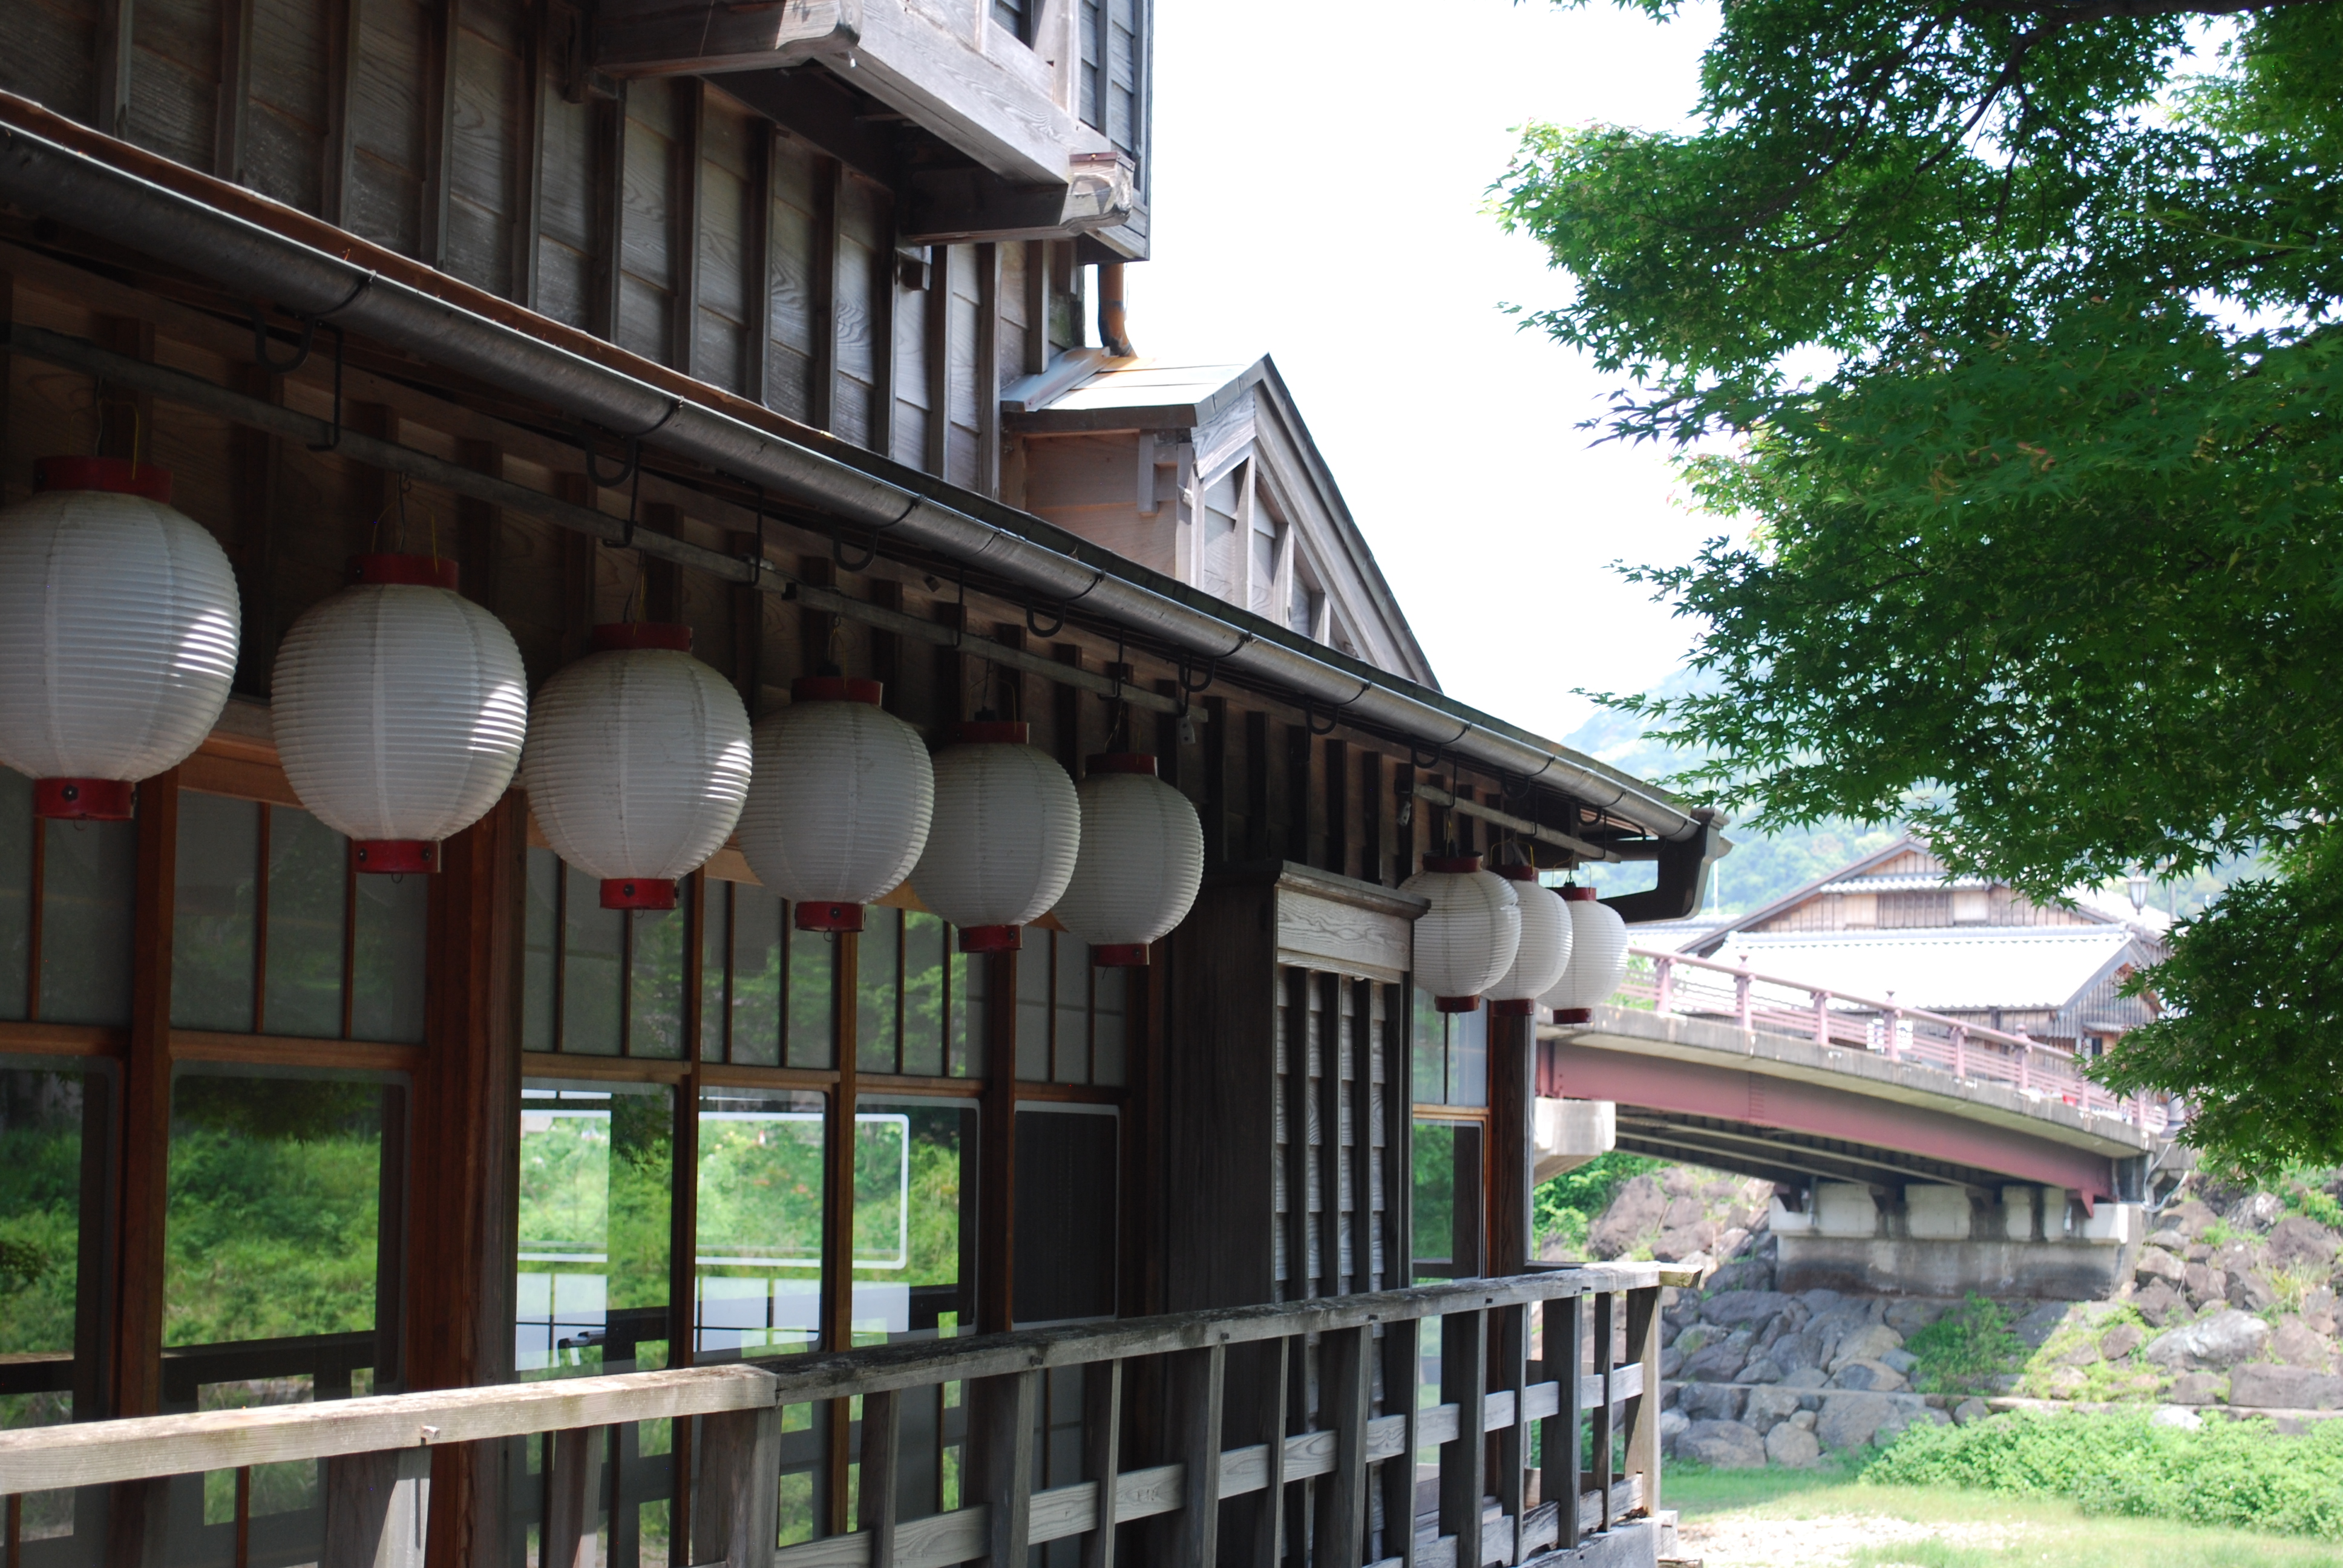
1000	1461
1560	1441
1513	1136
1344	1390
881	426
1643	1415
438	86
1463	1462
345	17
1509	1346
115	49
691	110
1193	1393
988	370
374	1509
233	107
1402	1375
573	1498
881	1451
1102	1454
602	310
737	1503
938	358
146	1132
1037	257
829	177
1606	1413
529	158
757	381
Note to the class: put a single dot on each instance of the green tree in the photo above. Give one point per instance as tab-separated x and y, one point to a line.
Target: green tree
2048	563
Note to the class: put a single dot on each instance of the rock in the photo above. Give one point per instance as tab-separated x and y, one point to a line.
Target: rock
1722	1445
1767	1408
1671	1426
2155	1263
1793	1447
2197	1252
2035	1328
2319	1311
2190	1218
1803	1378
1672	1361
1634	1214
1849	1421
2206	1283
1761	1369
1680	1212
2301	1240
1683	1243
1804	1421
1719	1363
2174	1415
2081	1353
1968	1410
1820	1301
2171	1238
2240	1256
2261	1210
2121	1341
1909	1317
2257	1386
1730	1241
2063	1383
1738	1308
1874	1377
1743	1275
2157	1302
1902	1361
2298	1344
1709	1402
1868	1344
2222	1340
2252	1292
2200	1388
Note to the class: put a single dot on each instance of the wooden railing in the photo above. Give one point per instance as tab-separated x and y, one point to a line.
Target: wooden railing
1570	1352
1700	988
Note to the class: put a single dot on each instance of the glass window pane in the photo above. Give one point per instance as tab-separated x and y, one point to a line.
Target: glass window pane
1434	1197
925	941
757	1263
813	999
212	913
541	919
1065	1214
592	951
655	999
1033	1008
276	1190
757	953
308	880
715	945
965	991
1074	996
387	962
596	1166
1468	1056
878	991
914	1219
1109	990
1428	1049
16	829
40	1124
89	873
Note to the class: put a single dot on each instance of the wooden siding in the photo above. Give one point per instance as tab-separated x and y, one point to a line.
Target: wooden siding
662	214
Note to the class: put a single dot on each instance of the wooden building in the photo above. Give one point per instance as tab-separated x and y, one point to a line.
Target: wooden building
705	315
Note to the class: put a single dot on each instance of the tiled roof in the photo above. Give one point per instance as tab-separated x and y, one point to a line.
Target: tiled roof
1939	968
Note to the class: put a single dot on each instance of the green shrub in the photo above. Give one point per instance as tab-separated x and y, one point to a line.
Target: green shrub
1567	1205
2242	1473
1965	1350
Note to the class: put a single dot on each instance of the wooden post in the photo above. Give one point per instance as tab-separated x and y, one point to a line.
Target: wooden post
1265	1378
1463	1463
1509	1351
882	1446
1606	1413
1192	1395
829	182
146	1134
988	370
1000	1461
1643	1409
735	1507
573	1497
1564	1353
1402	1375
1102	1456
1345	1387
375	1506
1513	1136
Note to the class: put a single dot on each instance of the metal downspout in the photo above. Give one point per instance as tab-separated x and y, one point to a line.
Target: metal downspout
42	175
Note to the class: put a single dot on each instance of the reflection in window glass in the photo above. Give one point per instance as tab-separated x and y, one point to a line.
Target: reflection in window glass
593	972
45	1119
655	984
275	1190
16	830
308	874
813	999
757	946
758	1262
966	977
1434	1197
1450	1051
1066	1186
926	945
213	905
596	1164
877	992
541	951
715	949
914	1219
1110	988
1071	959
387	1002
1033	1008
88	870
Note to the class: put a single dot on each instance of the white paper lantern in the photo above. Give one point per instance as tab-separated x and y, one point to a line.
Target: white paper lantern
1544	951
400	707
1006	831
1141	862
637	763
1598	958
839	808
118	628
1466	940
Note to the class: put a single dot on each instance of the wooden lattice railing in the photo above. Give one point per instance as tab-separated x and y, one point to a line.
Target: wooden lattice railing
1351	1415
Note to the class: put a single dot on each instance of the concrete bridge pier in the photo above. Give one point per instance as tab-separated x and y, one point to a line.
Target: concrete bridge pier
1929	1239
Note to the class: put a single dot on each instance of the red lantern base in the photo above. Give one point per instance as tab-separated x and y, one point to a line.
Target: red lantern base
813	917
1120	955
1513	1007
1573	1015
1456	1004
992	938
638	893
386	857
83	800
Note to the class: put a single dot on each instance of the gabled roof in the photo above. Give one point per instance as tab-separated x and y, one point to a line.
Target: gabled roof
1707	945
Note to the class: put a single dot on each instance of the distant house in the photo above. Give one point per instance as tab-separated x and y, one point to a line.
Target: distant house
1897	925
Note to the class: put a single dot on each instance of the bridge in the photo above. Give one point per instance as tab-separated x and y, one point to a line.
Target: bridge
1913	1150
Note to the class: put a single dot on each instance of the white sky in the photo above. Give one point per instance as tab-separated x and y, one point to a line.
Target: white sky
1320	175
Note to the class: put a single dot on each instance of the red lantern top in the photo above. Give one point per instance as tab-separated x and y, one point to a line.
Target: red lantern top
411	571
1120	762
1576	895
990	733
835	689
1452	864
118	474
627	635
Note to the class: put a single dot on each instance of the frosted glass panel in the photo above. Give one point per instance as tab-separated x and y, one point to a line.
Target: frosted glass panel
308	877
89	871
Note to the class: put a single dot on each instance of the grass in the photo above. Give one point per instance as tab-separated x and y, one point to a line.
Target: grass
1964	1350
2027	1531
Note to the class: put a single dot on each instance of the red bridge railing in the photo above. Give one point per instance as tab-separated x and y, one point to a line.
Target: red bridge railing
1691	986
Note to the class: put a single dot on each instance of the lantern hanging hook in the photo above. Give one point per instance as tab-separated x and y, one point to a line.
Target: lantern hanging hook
1033	624
1187	668
1309	719
837	552
630	465
260	343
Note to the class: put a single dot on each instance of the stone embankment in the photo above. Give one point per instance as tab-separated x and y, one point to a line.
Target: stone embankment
2228	1308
